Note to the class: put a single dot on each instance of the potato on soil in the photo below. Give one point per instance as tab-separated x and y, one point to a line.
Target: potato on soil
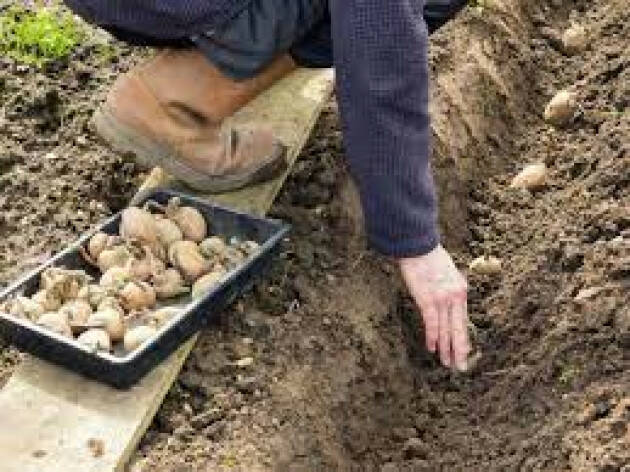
110	320
531	177
137	296
96	339
185	256
574	39
189	219
485	265
562	108
169	284
55	322
136	337
207	283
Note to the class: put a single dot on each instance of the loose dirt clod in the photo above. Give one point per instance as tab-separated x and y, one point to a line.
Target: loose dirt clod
531	177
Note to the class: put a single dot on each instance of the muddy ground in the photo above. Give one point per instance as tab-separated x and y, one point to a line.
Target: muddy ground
340	379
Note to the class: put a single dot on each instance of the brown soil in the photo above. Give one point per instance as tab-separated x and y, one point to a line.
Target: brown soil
340	379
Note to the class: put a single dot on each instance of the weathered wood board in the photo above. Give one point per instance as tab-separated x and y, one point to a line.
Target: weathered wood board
50	416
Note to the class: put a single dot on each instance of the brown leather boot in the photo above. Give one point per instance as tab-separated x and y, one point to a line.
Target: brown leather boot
168	113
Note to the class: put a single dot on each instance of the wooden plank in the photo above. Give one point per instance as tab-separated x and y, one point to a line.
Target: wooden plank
50	416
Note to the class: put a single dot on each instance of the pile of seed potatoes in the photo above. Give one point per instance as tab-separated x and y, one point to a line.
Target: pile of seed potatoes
160	253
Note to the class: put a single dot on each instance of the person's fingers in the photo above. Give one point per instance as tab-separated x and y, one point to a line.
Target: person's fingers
431	325
459	327
444	343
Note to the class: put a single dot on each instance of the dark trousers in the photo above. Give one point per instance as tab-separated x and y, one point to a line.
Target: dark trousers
268	28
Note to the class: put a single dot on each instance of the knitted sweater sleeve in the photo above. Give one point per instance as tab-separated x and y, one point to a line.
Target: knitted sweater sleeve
380	53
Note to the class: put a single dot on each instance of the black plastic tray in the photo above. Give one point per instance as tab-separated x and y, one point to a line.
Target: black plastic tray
124	371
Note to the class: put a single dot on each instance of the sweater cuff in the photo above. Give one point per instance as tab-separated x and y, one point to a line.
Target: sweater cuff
404	248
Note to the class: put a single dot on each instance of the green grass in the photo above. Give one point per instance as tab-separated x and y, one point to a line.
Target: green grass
38	34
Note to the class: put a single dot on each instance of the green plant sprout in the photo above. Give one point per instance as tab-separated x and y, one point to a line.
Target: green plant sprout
38	33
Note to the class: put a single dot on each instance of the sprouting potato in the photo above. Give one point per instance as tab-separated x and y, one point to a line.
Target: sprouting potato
55	322
160	317
167	231
47	300
214	246
77	313
139	224
110	302
189	219
185	256
99	242
96	340
137	295
249	247
115	278
206	283
169	284
116	256
136	337
24	307
65	284
110	320
93	294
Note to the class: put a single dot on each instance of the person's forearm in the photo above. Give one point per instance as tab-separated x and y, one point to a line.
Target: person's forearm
382	74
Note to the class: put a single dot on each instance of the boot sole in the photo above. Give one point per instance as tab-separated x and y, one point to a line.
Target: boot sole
148	154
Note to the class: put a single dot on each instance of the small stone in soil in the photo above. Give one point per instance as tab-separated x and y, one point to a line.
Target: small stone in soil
415	448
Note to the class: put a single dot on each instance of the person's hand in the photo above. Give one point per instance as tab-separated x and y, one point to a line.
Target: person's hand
440	292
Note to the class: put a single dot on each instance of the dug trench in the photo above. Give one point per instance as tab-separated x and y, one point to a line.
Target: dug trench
337	378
